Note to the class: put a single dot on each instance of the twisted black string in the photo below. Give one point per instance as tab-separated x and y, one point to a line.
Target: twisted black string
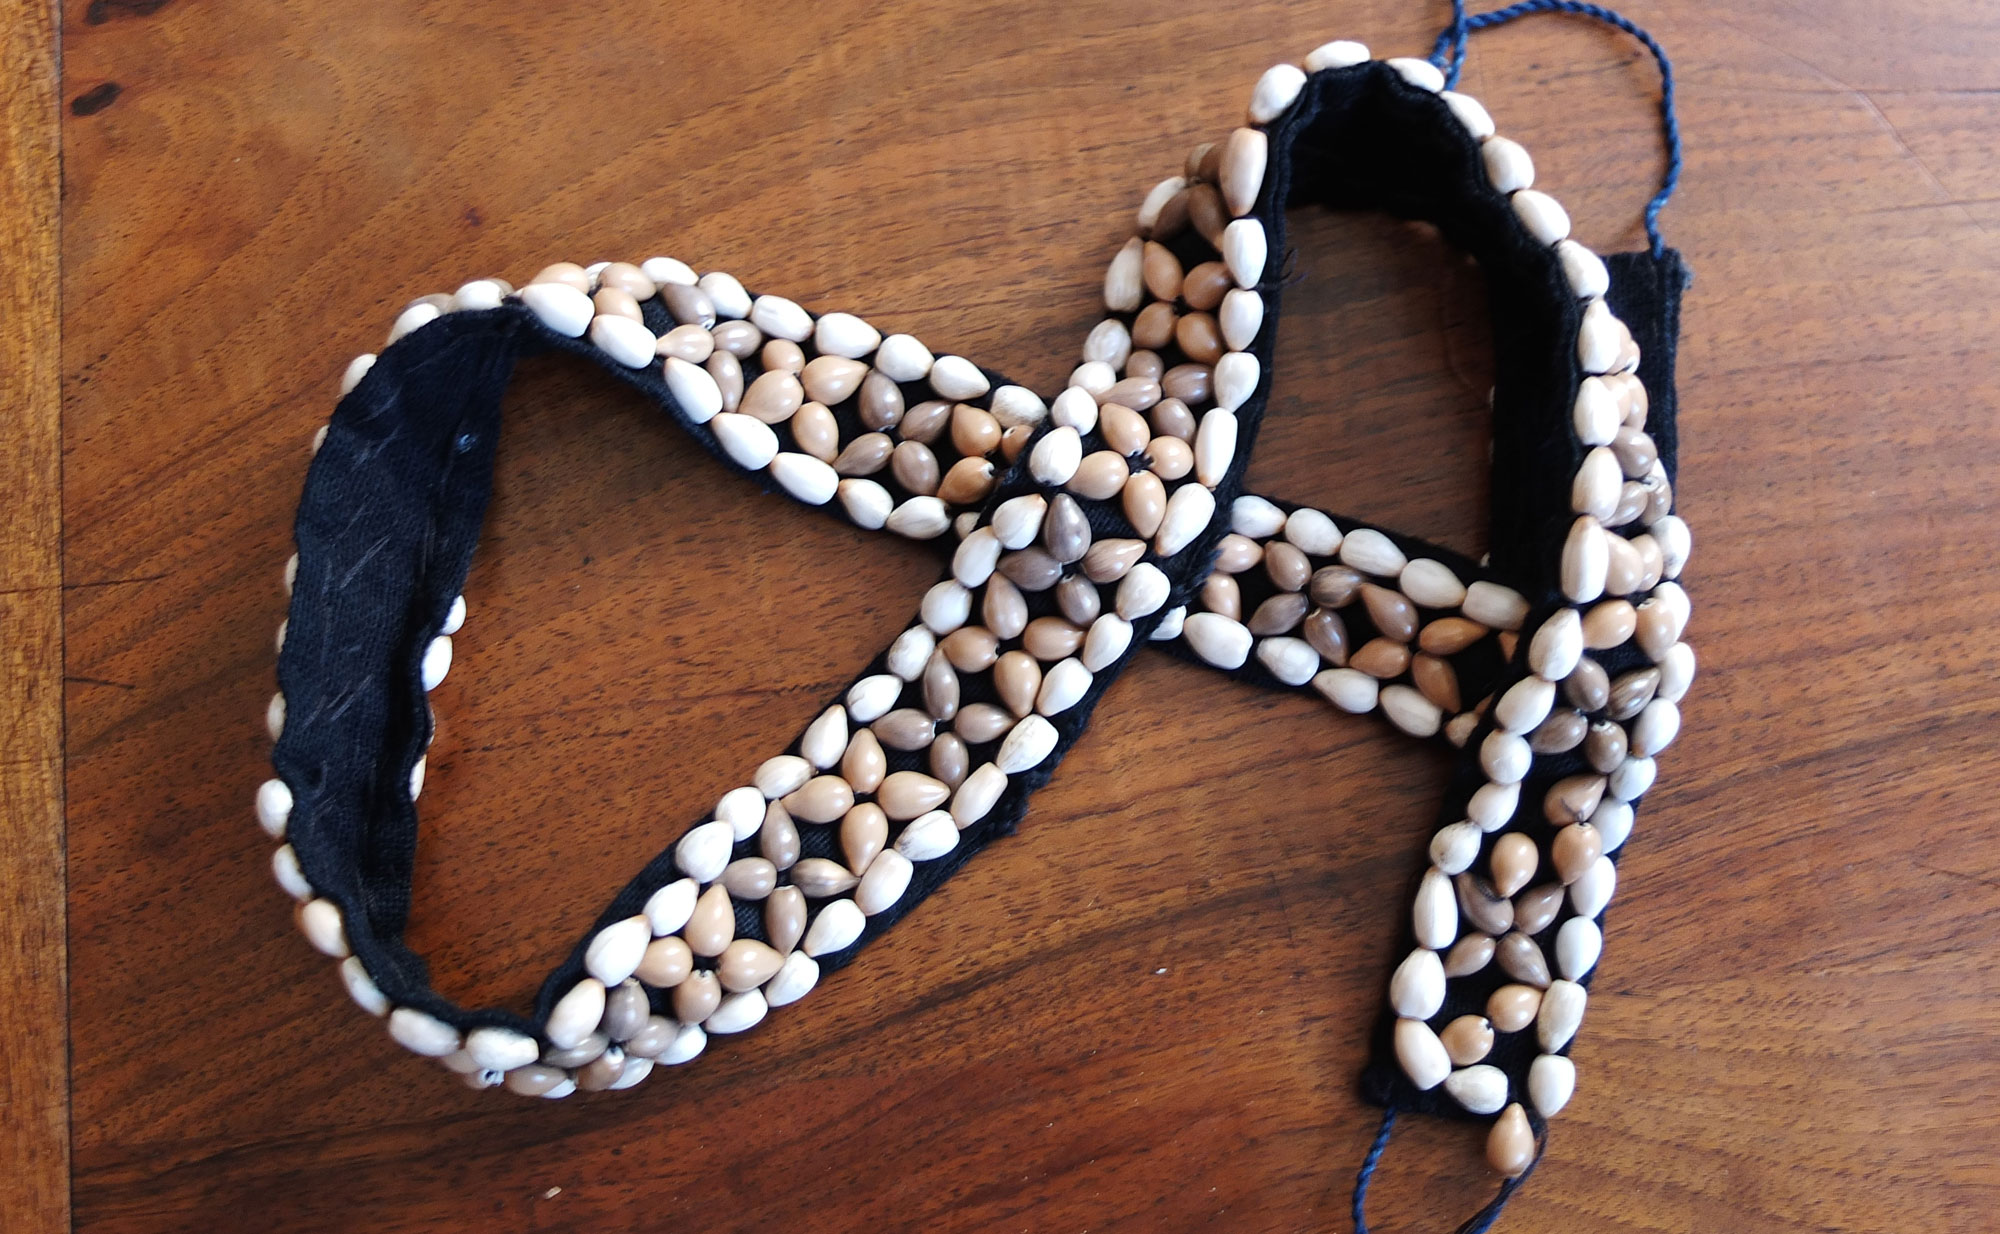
1449	54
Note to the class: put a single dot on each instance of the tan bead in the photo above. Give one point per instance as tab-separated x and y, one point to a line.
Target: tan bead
1110	560
713	924
738	338
1220	594
1481	907
822	800
1171	418
1100	475
865	455
1154	326
747	964
1123	429
1161	271
1510	1146
1381	658
627	278
816	432
1172	458
1536	907
1588	687
1049	639
1391	611
697	998
978	723
1469	955
1145	502
915	468
1575	850
749	878
613	302
1004	609
1437	681
773	397
971	649
783	355
864	764
1521	958
1205	286
1513	1007
1513	862
908	728
969	482
1467	1039
601	1072
667	962
1190	383
784	918
950	760
906	794
1572	798
832	379
567	273
941	689
974	431
925	422
778	840
1327	633
1016	678
1199	338
1281	614
690	343
1288	567
820	878
1609	624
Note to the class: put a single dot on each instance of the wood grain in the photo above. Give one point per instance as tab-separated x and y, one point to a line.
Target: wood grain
34	1057
1144	1012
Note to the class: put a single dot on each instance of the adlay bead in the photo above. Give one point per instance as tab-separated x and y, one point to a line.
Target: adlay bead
1145	503
1578	944
1056	457
1660	622
562	308
600	1073
285	868
915	467
884	883
1189	512
320	921
1018	520
973	562
1339	54
1016	678
1172	458
1512	1008
869	505
738	338
778	839
1521	958
436	662
1106	641
500	1049
928	837
1431	584
737	1013
747	964
1677	668
1596	415
1536	907
821	800
977	795
1100	475
1449	635
1551	1083
906	794
1290	660
1586	557
817	434
1245	250
945	607
1161	271
1031	569
626	1009
696	998
1124	278
1281	614
1591	893
1215	446
725	293
1153	204
978	723
1416	990
1583	269
955	377
1492	805
1455	847
1382	658
667	962
749	878
1217	639
1594	489
1542	216
1063	687
614	954
1371	552
1349	689
1286	564
1275	92
1574	850
1240	317
1572	799
687	1045
819	878
1481	907
274	807
1207	213
1598	338
1467	1039
575	1014
1142	591
836	927
1560	733
653	1038
1026	745
1245	153
1419	73
1108	561
1017	407
1421	1054
1560	1015
1391	612
422	1034
1490	604
863	764
1513	862
1524	705
1605	746
1255	518
1469	955
941	690
1434	911
728	375
1504	757
668	909
357	368
1410	711
623	339
1609	624
1469	114
713	923
1655	728
806	478
1482	1089
748	441
1556	648
1510	1145
1135	392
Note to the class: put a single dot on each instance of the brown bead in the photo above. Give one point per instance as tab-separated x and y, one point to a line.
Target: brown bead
1138	393
713	924
1110	560
864	764
1100	476
773	397
1171	418
1154	326
1560	733
1521	958
881	402
1328	635
1199	338
865	455
1335	586
915	468
1604	746
1587	687
832	379
1143	363
728	376
816	432
689	306
697	998
1513	1007
1510	1146
950	761
653	1039
747	964
1391	611
969	482
749	878
738	338
1467	1039
971	649
1031	569
1145	502
1632	691
1381	658
601	1072
1065	529
1016	678
864	833
667	962
1631	504
1536	908
1289	568
1281	614
1635	451
1513	862
940	687
778	840
1015	440
1173	218
925	422
1572	798
1190	383
783	355
1437	681
1161	271
1209	216
973	431
819	878
1221	595
1481	907
1172	458
909	728
579	1054
978	723
1049	639
1575	850
1005	609
1468	955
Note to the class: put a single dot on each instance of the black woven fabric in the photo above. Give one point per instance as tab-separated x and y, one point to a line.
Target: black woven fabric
393	504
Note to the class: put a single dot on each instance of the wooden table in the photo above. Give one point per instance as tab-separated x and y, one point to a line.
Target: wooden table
1146	1010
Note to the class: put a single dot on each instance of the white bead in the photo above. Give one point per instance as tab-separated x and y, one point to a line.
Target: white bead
501	1049
781	318
728	296
357	368
1093	376
592	271
1241	317
979	793
1076	408
1676	666
1596	417
1675	541
1214	446
560	307
1416	989
437	661
412	318
976	556
699	398
1490	604
946	607
1349	689
1508	166
1525	704
783	774
1018	520
576	1014
1421	1054
920	518
1434	912
1056	456
1586	557
1142	591
1557	647
748	441
1312	532
1026	745
1109	342
1189	512
1561	1014
805	478
1236	376
1245	250
741	808
703	852
1222	641
1551	1082
1431	584
1613	820
1492	805
844	334
1583	270
928	836
902	358
1455	847
956	377
615	953
291	572
737	1013
285	868
624	340
454	617
1169	627
1150	208
1420	73
1124	280
1339	54
1275	92
664	270
1599	338
362	988
1578	944
795	979
883	883
1256	518
1541	215
1408	709
1371	552
871	698
1108	639
1504	757
1063	687
422	1034
867	503
669	908
1655	728
635	1071
1482	1088
688	1045
1631	778
826	738
1291	660
1591	894
836	927
1015	406
1470	113
1595	488
274	807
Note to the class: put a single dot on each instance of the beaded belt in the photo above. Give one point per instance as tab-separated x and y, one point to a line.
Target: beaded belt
1079	529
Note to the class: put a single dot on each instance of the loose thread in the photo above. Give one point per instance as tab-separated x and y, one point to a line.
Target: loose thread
1368	1164
1449	54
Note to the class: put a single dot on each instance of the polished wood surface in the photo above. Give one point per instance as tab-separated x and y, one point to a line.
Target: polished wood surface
1145	1011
